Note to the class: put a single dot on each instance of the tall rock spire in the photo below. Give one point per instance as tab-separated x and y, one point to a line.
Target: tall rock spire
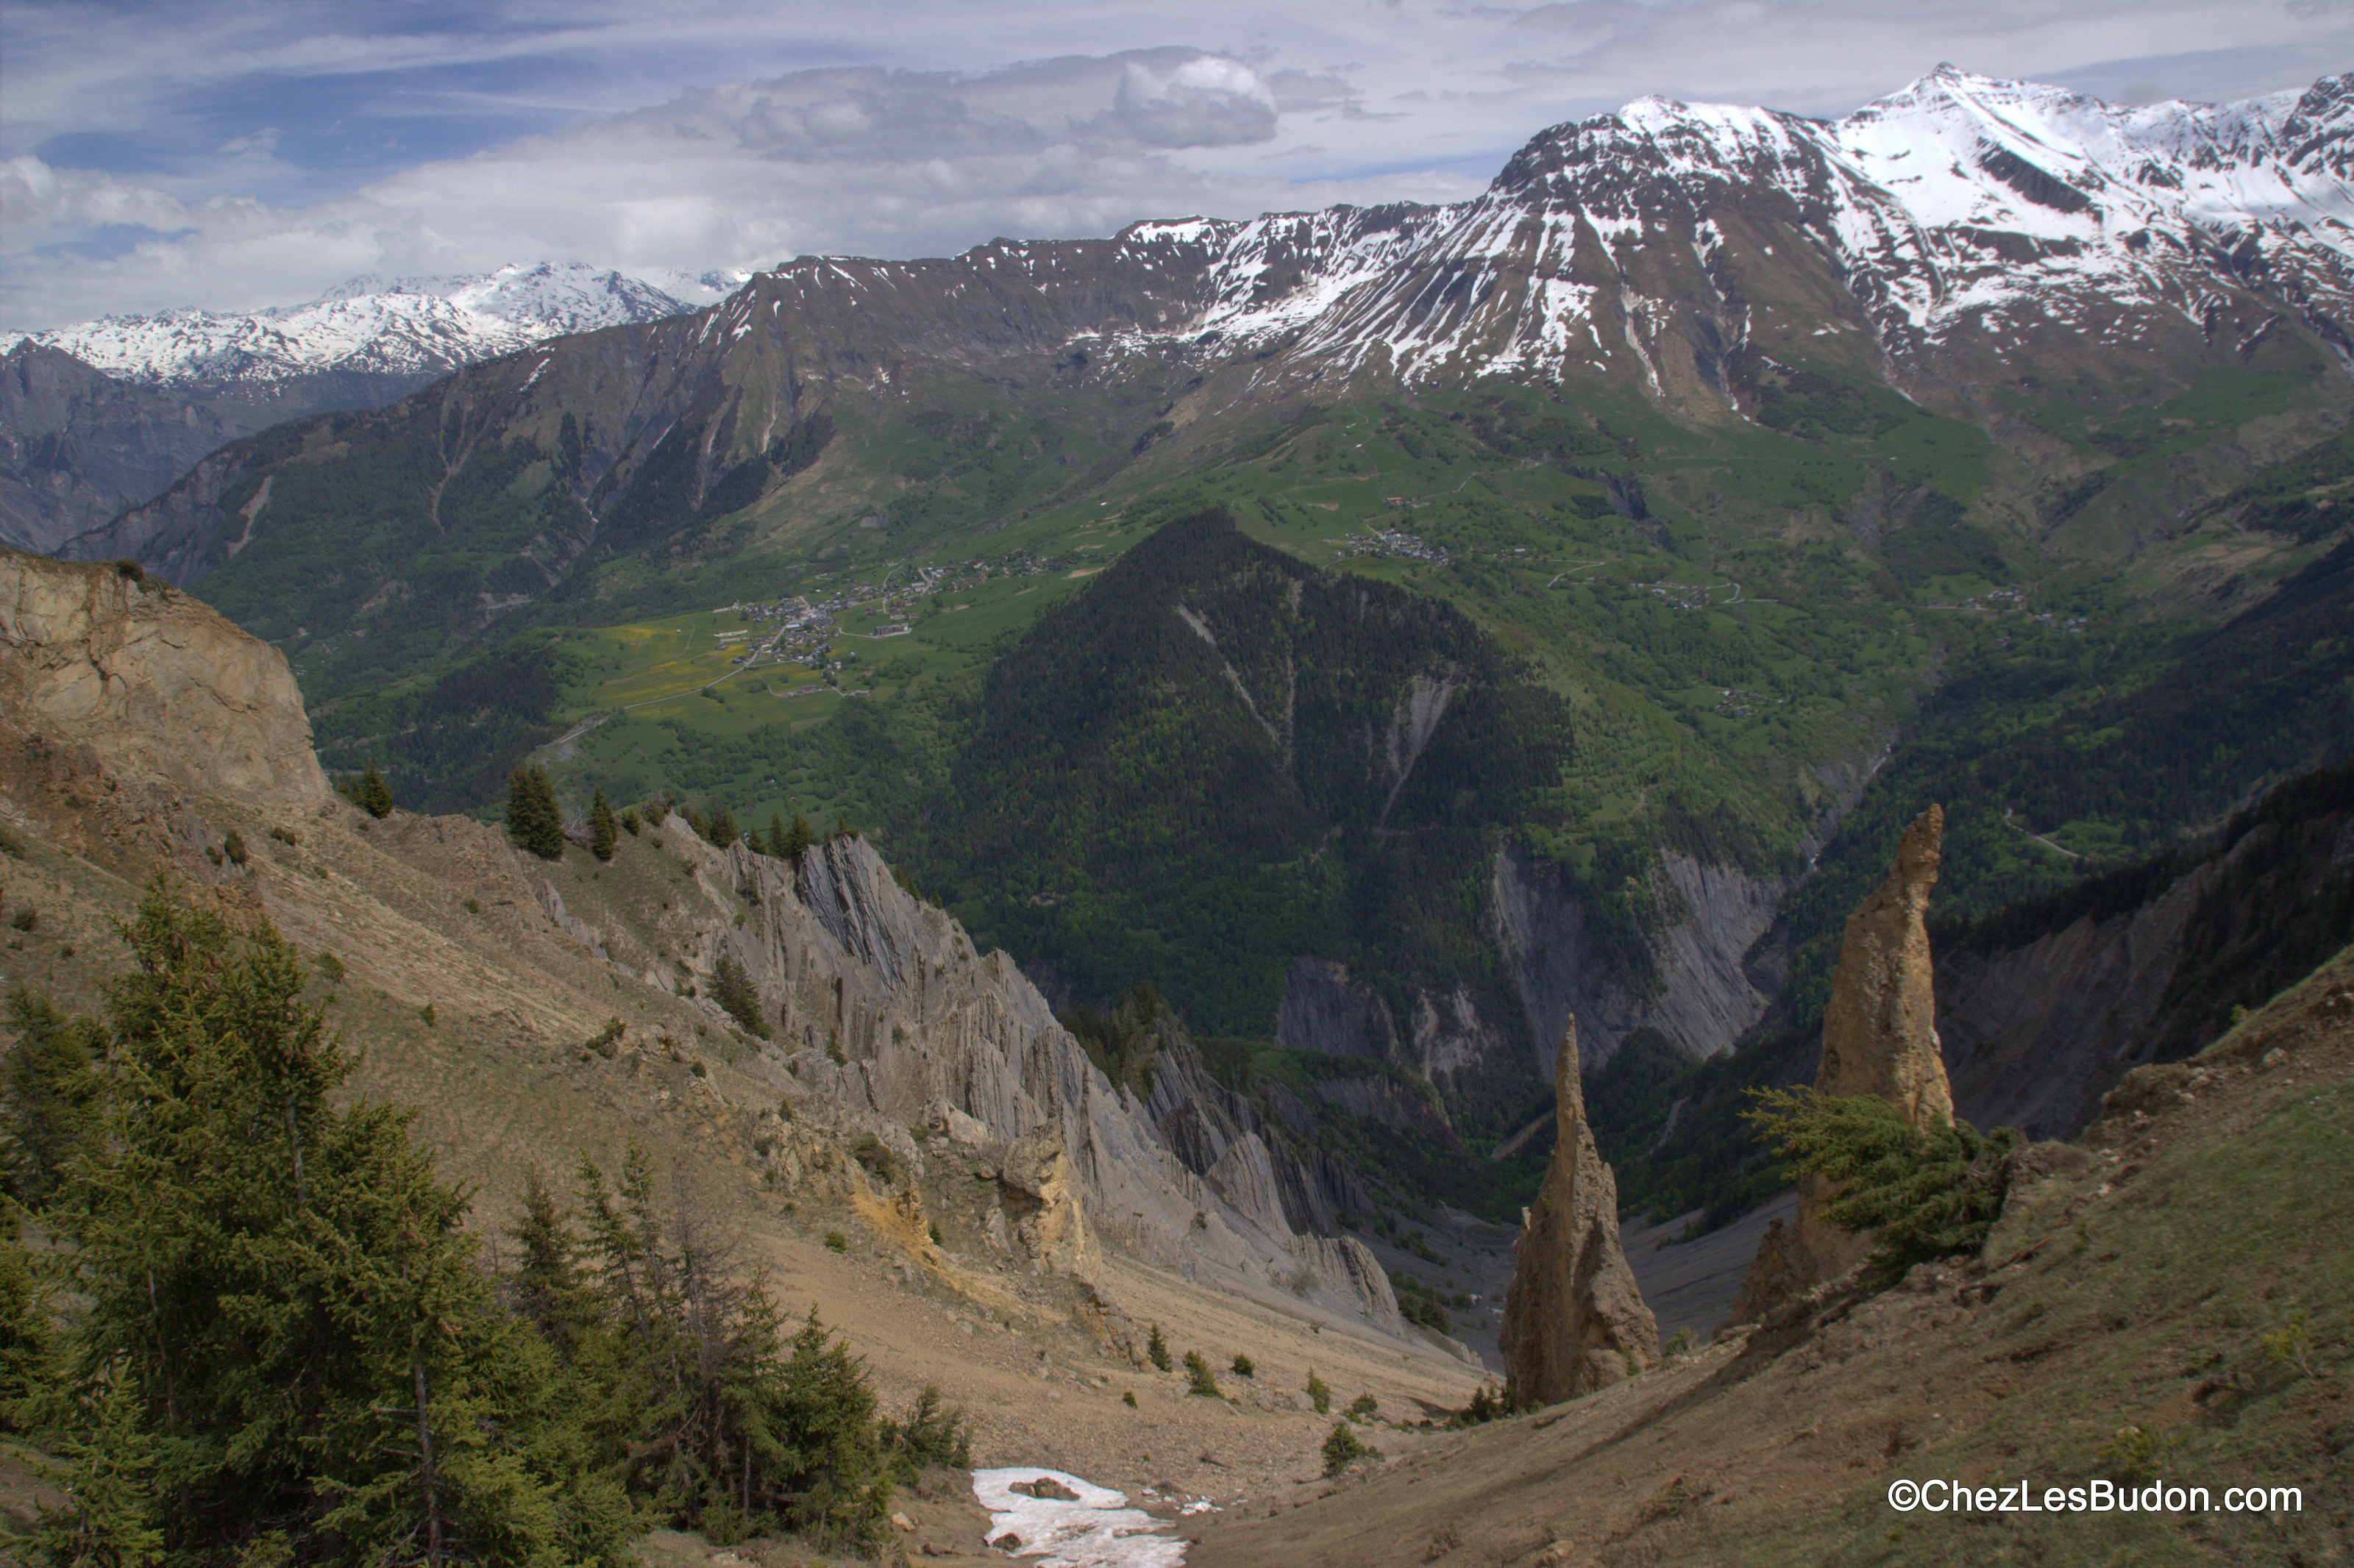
1880	1037
1574	1319
1879	1030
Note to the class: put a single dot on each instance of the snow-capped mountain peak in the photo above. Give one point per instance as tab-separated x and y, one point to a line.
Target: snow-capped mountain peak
1960	203
409	325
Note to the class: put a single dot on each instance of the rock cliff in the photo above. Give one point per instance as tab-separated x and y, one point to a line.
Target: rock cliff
1880	1037
2041	1019
139	728
1573	1319
153	683
79	446
1705	998
882	1011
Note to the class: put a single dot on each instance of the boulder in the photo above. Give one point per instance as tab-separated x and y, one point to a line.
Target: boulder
1574	1319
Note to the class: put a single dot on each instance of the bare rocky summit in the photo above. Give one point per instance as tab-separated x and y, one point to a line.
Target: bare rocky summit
1575	1320
1880	1037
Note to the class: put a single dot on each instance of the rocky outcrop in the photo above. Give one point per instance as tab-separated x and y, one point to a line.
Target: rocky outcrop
150	686
2043	1013
1212	1130
1573	1319
1325	1010
885	1016
1880	1028
1042	1202
1880	1038
1705	998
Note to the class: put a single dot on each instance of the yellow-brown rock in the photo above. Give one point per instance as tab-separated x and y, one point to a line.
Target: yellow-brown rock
1574	1319
1880	1037
147	684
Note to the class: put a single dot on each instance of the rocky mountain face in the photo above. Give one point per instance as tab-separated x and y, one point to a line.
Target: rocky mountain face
78	445
1699	255
2041	1013
885	1010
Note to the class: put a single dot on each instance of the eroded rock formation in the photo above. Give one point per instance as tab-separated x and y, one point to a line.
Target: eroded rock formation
1050	1220
883	1015
155	684
1574	1319
1880	1037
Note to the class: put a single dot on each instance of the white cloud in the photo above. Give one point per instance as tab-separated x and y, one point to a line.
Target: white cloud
918	127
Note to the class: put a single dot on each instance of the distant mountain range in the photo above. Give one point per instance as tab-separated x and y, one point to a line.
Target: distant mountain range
100	417
379	326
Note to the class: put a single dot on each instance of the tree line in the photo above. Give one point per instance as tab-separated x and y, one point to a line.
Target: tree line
535	820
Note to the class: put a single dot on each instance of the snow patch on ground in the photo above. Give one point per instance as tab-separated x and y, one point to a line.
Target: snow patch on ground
1100	1530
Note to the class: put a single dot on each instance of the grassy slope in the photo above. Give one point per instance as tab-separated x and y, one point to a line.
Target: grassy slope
2192	1280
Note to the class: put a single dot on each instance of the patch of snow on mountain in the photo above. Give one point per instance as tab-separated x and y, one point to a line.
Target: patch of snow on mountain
1097	1530
1960	199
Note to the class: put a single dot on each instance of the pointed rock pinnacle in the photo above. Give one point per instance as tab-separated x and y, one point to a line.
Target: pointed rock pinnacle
1574	1319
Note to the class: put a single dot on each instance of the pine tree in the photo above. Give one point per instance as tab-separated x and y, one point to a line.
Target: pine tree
722	829
279	1294
24	1330
374	795
534	819
603	831
797	839
51	1094
733	989
705	1419
779	845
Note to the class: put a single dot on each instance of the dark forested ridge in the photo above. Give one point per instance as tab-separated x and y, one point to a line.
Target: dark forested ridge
1217	759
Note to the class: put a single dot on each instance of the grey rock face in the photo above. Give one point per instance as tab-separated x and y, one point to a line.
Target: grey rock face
847	963
1705	998
78	447
2035	1034
1574	1320
1324	1010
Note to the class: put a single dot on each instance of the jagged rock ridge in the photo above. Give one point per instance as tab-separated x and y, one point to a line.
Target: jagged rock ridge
882	1010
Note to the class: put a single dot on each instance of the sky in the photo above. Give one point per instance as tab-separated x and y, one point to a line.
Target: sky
228	155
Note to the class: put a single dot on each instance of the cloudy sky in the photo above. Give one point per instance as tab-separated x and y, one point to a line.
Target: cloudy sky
231	153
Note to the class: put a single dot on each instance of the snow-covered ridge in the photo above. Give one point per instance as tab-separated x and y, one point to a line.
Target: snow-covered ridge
1960	201
382	326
